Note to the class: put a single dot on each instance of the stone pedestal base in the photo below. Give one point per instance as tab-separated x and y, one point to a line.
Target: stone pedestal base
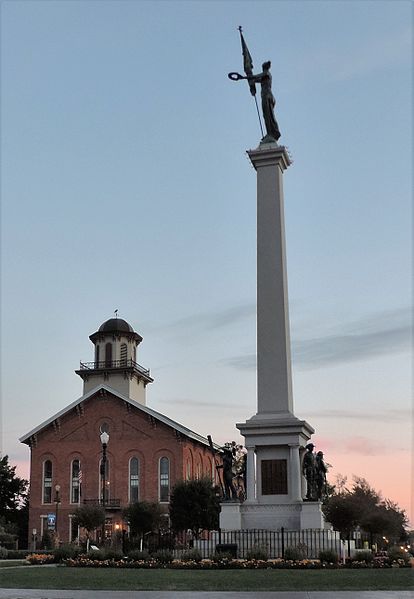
230	515
311	515
250	516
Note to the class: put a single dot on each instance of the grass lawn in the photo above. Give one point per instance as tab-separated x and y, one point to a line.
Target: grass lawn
41	577
12	562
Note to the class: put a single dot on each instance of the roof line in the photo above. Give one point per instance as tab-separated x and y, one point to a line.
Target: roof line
179	427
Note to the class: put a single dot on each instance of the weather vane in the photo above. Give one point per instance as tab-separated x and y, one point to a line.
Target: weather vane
116	313
268	99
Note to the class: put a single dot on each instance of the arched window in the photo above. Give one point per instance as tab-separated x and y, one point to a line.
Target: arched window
104	476
96	356
75	482
133	480
108	354
188	470
123	354
212	470
199	473
164	479
47	481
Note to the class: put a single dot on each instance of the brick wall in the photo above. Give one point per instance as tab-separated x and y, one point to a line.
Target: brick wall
132	433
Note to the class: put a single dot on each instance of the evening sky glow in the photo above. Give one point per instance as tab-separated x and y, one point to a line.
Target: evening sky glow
125	185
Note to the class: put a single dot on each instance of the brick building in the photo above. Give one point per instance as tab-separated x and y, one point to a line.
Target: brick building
145	455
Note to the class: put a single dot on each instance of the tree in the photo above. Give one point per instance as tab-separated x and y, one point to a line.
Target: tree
341	513
194	505
13	489
363	506
143	517
89	517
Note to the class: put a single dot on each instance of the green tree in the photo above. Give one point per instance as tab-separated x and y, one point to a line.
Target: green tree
89	517
143	517
13	490
341	512
194	505
363	506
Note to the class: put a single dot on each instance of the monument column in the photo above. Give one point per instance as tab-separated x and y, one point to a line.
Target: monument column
295	475
250	475
274	377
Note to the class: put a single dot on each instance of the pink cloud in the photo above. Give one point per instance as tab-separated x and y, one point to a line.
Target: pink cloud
364	446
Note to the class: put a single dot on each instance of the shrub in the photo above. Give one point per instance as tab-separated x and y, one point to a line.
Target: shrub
113	554
220	556
7	539
163	556
363	556
46	541
3	553
66	552
396	553
106	554
136	555
258	552
295	553
192	555
329	556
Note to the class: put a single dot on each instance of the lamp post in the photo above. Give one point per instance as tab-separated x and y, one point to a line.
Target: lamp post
104	442
57	501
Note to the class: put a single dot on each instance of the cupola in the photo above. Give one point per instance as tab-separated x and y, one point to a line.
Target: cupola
115	362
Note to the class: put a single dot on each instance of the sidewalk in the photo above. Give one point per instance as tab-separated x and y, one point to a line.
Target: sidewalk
53	594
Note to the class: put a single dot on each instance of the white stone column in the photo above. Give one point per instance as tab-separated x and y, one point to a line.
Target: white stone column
295	475
274	378
251	475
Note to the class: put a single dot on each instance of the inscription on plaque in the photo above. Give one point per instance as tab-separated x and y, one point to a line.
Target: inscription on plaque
274	477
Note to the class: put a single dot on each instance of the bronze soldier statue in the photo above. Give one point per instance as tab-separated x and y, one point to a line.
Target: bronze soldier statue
320	470
309	470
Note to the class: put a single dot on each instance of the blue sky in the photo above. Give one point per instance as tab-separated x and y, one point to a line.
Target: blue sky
125	184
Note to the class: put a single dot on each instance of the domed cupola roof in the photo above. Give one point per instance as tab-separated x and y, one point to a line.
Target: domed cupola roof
117	327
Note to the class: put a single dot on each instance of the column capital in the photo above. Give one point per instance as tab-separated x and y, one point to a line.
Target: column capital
268	155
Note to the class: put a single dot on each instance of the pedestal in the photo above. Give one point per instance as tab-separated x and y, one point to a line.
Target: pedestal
311	515
230	515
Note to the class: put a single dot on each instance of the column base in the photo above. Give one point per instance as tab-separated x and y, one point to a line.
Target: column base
230	515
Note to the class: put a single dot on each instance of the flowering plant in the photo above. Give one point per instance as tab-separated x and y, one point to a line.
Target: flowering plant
40	558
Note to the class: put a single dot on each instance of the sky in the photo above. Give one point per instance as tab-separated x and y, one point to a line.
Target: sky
125	185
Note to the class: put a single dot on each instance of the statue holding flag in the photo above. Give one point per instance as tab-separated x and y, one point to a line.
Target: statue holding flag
268	99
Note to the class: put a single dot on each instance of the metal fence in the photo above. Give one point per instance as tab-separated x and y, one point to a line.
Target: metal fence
274	543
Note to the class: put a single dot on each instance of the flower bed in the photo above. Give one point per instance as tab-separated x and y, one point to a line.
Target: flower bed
220	564
40	558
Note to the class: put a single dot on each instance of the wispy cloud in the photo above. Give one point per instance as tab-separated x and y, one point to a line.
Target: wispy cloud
363	446
380	334
384	416
347	62
194	403
376	54
357	444
209	321
385	333
243	362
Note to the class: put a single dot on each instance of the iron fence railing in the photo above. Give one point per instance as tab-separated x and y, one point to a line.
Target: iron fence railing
104	365
275	543
108	503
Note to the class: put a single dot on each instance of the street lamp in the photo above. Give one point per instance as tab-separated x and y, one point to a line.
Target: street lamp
57	501
104	442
